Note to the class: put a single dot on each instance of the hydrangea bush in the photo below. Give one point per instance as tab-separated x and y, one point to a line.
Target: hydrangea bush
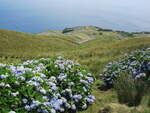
137	65
49	85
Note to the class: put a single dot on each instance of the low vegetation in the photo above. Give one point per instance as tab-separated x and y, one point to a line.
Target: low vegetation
137	65
66	30
45	86
130	91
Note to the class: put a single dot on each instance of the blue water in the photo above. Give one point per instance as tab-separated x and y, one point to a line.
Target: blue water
35	16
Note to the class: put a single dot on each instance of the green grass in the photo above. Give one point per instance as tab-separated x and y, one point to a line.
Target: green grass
94	55
22	44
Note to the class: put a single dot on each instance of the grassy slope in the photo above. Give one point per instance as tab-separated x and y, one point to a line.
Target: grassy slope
17	44
94	54
97	53
96	58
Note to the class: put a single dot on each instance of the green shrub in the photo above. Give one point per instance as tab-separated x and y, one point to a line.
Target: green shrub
100	33
50	85
126	34
66	30
136	64
130	91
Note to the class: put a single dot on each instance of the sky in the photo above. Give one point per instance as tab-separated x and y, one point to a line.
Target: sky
35	16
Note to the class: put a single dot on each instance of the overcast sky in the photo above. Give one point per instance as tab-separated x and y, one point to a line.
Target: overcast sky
40	15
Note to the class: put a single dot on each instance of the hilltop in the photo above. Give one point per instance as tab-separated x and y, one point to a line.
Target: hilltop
77	34
83	34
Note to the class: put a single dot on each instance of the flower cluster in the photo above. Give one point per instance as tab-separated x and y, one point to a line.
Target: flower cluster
48	85
137	65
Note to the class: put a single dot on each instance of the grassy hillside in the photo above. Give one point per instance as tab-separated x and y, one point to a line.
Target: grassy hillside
105	46
17	44
105	50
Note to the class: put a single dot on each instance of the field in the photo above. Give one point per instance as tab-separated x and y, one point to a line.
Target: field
90	46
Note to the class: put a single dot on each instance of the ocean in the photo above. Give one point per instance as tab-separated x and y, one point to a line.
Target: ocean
34	16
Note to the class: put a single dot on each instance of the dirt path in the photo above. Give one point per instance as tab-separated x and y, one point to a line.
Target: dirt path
82	41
